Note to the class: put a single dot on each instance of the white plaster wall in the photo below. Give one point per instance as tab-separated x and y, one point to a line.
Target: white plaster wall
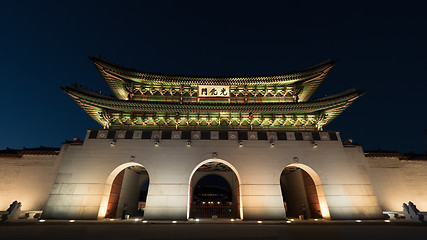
348	191
82	178
396	182
28	180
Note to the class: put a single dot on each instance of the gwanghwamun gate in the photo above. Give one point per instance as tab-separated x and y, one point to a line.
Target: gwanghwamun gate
178	147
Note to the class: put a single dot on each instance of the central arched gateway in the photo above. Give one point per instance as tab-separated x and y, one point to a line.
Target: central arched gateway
125	192
214	191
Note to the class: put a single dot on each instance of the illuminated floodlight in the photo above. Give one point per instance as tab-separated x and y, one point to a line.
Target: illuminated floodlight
188	144
288	221
197	219
358	220
316	219
136	219
156	143
42	220
145	221
111	219
387	220
259	222
292	219
174	221
315	145
240	144
232	220
71	221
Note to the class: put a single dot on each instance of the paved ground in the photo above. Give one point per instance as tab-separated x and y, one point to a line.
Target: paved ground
118	230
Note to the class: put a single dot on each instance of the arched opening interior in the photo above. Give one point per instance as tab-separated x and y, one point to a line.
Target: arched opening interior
128	193
214	192
300	195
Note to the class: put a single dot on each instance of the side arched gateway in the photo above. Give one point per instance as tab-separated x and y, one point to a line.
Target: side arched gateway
214	191
125	192
303	193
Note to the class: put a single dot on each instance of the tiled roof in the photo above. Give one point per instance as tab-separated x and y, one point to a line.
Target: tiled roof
29	151
120	78
319	113
277	101
140	76
395	154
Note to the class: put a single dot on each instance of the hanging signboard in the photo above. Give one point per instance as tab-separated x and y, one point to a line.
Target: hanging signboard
214	91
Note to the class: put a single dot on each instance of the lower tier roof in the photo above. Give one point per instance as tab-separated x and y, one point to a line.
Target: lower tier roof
114	113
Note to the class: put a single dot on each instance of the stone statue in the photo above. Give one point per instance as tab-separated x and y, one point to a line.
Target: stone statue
12	213
412	213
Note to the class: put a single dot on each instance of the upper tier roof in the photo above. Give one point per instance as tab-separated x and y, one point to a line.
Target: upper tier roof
120	78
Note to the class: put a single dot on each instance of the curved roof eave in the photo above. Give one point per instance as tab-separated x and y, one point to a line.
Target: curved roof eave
116	71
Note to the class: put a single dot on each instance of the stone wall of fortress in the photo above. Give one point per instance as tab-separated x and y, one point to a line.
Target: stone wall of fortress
27	179
397	181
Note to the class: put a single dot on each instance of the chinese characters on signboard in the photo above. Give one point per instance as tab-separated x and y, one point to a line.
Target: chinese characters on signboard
214	91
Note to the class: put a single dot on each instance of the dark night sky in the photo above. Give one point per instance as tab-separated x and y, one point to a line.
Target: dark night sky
380	48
